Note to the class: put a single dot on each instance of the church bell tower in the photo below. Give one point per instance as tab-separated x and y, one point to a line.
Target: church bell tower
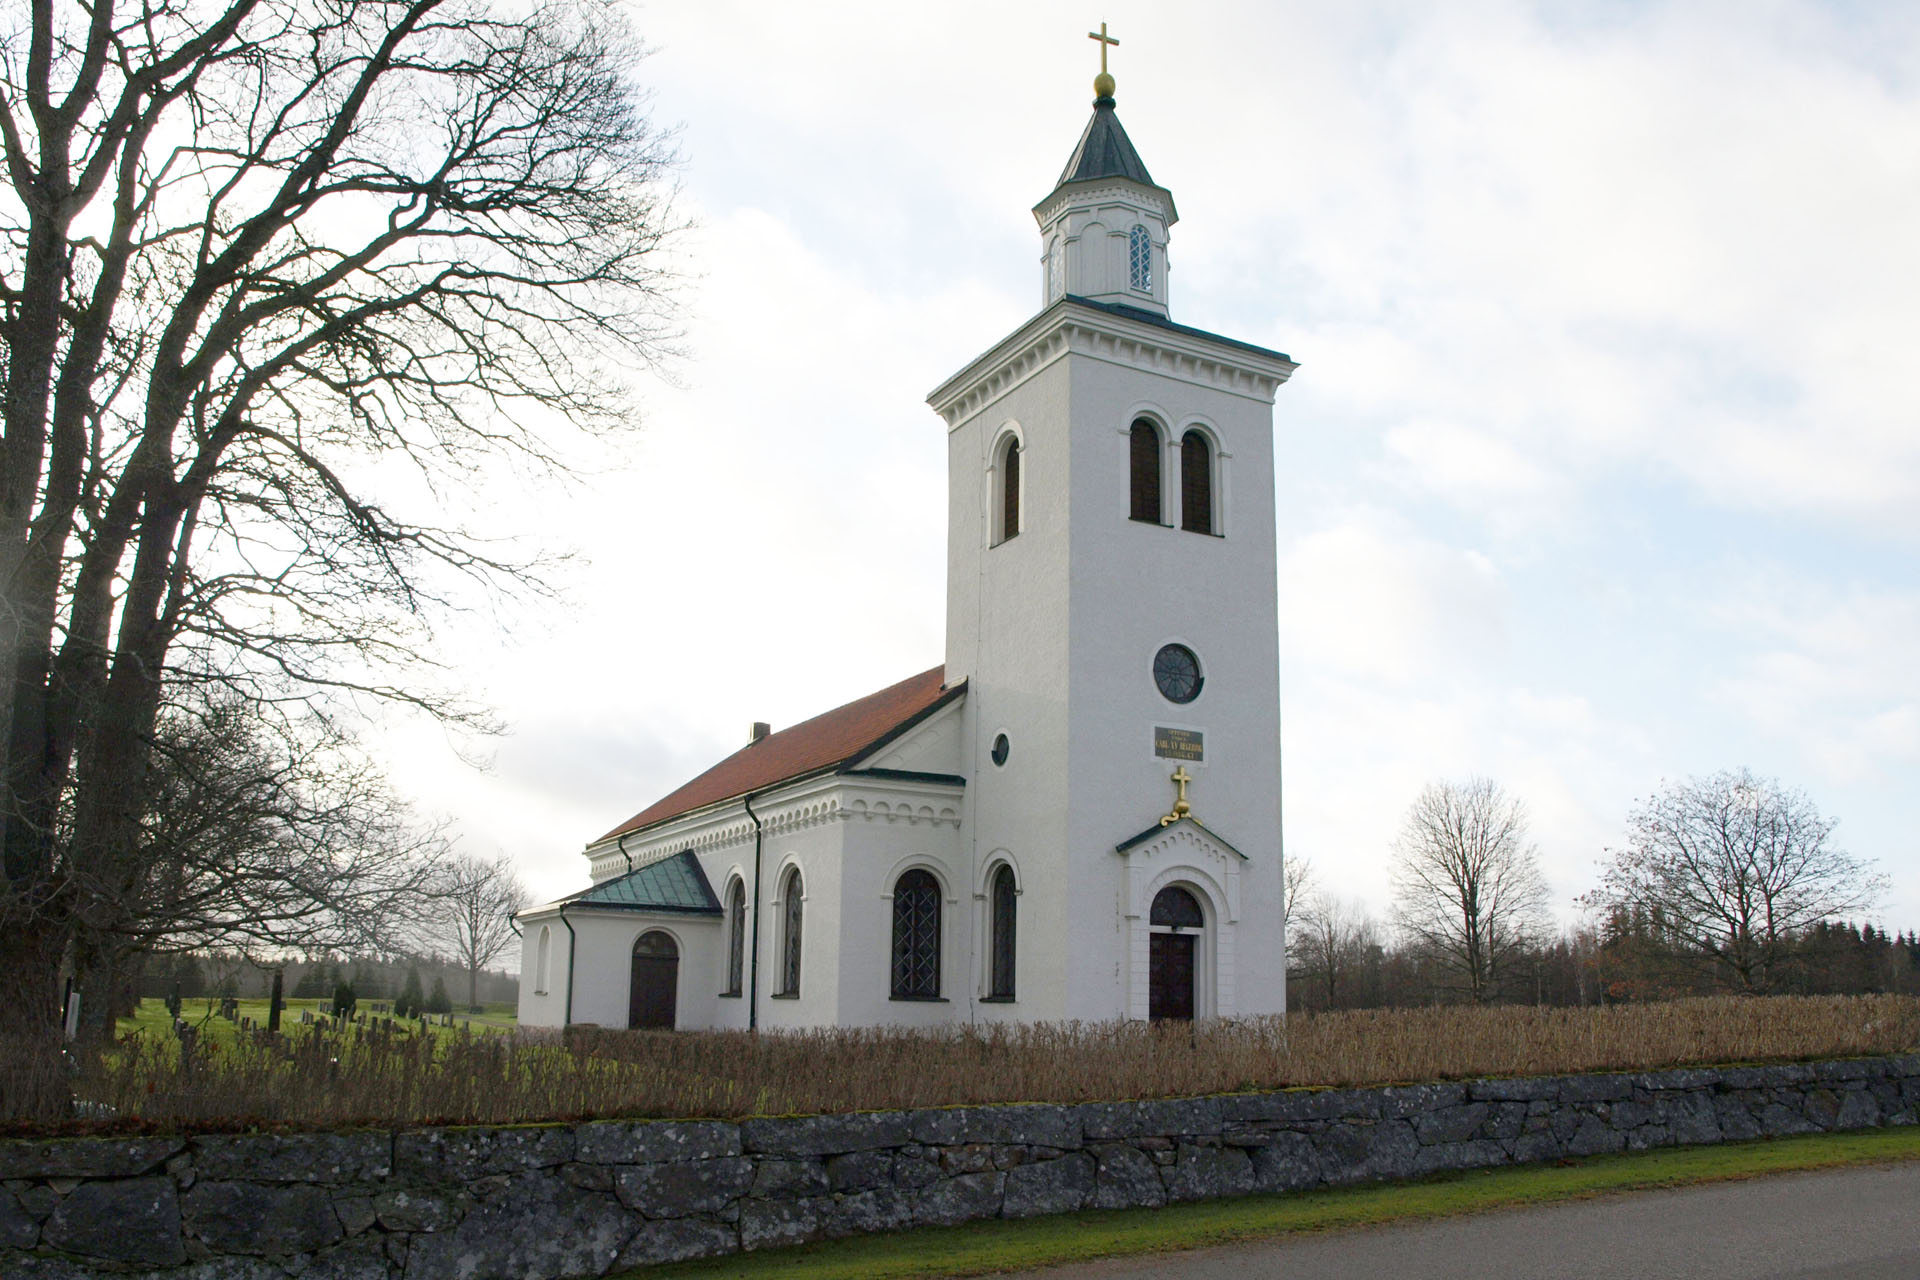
1111	602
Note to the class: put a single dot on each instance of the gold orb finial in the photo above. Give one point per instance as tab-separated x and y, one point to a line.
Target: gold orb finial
1103	83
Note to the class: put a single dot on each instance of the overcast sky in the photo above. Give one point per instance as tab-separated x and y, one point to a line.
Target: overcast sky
1602	464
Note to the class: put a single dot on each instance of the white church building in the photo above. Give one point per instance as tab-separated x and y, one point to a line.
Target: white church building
1078	814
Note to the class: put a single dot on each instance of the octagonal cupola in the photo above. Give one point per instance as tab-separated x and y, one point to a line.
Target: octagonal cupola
1103	231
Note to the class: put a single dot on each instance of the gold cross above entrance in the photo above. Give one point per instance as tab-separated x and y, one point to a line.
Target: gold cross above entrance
1181	809
1105	40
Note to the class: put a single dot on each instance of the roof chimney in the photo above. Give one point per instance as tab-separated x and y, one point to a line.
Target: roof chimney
760	730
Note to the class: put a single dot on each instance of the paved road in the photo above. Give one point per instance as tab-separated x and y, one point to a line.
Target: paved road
1850	1224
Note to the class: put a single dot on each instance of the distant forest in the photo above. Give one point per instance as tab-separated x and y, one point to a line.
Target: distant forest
211	975
1360	966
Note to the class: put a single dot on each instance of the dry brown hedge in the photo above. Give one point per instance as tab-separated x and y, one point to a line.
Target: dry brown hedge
315	1078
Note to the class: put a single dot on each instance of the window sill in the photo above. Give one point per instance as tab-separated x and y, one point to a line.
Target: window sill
1002	542
920	999
1157	524
730	995
998	1000
784	995
1205	533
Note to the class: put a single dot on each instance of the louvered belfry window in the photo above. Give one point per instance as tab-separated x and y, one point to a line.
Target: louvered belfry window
916	936
1000	980
1010	490
1196	483
1143	447
790	940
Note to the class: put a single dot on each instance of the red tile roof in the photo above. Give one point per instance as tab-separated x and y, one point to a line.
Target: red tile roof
812	746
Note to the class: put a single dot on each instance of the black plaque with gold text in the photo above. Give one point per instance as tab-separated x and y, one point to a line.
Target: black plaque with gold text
1178	744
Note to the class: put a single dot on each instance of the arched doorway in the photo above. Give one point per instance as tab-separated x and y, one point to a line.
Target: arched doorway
1173	953
656	976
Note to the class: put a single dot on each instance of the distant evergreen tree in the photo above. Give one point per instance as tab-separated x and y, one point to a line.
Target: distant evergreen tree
343	1000
439	1001
411	997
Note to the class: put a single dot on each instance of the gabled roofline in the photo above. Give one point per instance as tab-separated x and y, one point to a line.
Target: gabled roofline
1157	829
845	765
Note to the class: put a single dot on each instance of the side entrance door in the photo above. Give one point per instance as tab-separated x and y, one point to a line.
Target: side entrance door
656	976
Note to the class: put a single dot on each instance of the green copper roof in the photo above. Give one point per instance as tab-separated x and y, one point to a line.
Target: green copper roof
671	884
1105	151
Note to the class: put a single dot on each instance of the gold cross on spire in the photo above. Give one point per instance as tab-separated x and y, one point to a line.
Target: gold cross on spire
1181	809
1103	83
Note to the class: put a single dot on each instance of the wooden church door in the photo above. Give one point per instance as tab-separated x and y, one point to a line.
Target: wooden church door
1176	920
1170	976
656	976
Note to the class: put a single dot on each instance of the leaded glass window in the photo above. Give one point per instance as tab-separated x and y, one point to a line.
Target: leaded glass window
916	936
790	936
1140	259
736	938
1000	980
1176	908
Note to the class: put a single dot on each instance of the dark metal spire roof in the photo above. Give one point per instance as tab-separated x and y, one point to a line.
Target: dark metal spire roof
1105	151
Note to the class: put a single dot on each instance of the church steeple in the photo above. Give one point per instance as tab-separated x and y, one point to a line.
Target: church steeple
1103	230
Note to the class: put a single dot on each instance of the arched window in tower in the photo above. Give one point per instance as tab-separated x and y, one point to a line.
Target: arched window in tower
1196	483
1140	259
916	936
736	938
791	894
1006	470
1005	906
1143	471
1056	270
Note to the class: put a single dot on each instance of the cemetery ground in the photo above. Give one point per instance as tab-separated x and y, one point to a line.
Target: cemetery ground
152	1018
997	1246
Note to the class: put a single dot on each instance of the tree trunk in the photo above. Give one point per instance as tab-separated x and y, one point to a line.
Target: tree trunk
33	1074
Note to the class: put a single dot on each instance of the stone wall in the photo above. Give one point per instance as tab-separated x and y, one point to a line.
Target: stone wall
578	1200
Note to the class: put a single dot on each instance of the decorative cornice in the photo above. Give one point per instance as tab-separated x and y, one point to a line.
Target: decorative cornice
1070	326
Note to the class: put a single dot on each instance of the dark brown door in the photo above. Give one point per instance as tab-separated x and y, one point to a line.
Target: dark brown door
656	975
1170	975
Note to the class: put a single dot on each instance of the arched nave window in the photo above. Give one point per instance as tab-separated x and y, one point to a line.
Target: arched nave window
1196	483
1006	469
1143	471
1004	898
790	900
916	936
736	938
540	960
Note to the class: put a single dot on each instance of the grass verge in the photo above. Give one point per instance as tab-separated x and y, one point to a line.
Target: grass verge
984	1248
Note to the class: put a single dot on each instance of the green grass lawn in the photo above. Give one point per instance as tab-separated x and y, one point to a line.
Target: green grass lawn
983	1248
152	1018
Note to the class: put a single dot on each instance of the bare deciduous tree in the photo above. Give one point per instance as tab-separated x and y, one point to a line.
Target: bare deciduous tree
1733	867
251	252
1298	892
1467	883
257	831
473	911
1329	942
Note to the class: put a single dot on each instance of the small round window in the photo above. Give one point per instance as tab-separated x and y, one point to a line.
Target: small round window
1001	747
1177	672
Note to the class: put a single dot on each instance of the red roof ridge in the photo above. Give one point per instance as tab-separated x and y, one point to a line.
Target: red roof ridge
827	740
